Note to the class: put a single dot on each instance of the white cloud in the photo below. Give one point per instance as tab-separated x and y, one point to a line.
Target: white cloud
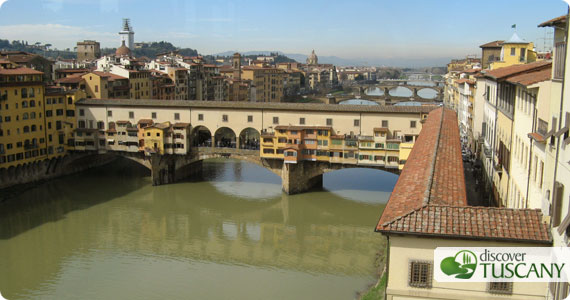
2	2
60	36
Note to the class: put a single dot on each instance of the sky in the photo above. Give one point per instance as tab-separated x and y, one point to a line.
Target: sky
375	30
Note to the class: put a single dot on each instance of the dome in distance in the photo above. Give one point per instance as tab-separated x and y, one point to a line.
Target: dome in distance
123	50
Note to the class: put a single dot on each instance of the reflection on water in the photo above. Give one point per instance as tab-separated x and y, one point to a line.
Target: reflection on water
106	235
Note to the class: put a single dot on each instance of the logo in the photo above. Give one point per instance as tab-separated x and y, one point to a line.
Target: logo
462	265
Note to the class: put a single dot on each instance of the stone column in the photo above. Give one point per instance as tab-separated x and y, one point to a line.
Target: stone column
213	141
301	177
162	169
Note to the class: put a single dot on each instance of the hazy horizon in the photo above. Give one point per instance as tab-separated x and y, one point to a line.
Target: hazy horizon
378	32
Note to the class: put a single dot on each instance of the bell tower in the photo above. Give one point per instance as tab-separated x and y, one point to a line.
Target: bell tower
127	34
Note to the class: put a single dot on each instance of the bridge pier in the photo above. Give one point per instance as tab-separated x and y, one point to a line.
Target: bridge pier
167	169
301	177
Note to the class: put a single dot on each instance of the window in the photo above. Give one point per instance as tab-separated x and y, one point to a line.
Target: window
59	112
301	121
420	274
69	100
109	113
96	88
200	117
329	122
224	118
81	112
513	51
176	116
385	123
275	120
153	115
504	288
559	60
356	122
249	119
412	124
131	114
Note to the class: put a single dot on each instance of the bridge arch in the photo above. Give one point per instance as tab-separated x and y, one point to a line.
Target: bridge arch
201	136
225	137
249	139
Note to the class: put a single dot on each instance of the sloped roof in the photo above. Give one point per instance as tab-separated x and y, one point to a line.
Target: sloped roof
554	22
493	44
430	198
502	73
20	71
467	222
515	39
529	78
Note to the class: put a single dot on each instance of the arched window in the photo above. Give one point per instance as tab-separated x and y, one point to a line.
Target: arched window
31	92
69	100
25	116
34	141
33	115
33	128
26	129
32	103
24	93
24	104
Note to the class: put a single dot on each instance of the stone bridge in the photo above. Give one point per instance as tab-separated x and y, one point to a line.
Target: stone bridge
387	85
295	178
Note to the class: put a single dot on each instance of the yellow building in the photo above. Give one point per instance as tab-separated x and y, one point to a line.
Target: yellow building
60	119
140	83
155	137
268	82
96	85
513	52
22	132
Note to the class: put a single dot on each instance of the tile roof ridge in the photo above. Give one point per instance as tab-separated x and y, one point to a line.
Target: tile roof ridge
413	210
427	192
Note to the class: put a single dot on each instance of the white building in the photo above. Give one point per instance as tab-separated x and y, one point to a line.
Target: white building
127	34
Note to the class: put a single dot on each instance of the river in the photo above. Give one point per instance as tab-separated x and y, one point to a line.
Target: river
107	233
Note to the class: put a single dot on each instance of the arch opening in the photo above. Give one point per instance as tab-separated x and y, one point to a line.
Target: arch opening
249	139
225	138
201	137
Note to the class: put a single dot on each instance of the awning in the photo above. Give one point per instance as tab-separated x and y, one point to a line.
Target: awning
110	140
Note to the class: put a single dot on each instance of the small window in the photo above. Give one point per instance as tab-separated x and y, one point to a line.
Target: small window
109	113
249	119
412	124
302	121
176	116
329	122
153	115
200	117
131	114
356	122
275	120
503	288
81	112
385	123
224	118
513	51
419	273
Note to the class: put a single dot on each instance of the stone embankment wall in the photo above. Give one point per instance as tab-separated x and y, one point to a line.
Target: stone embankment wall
51	168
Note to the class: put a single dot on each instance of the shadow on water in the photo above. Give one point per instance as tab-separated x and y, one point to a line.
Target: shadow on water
52	200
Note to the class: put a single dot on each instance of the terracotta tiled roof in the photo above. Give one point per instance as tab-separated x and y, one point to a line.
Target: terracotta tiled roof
523	225
464	80
180	125
290	127
123	122
430	198
529	78
553	22
381	129
537	137
145	121
493	44
502	73
20	71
